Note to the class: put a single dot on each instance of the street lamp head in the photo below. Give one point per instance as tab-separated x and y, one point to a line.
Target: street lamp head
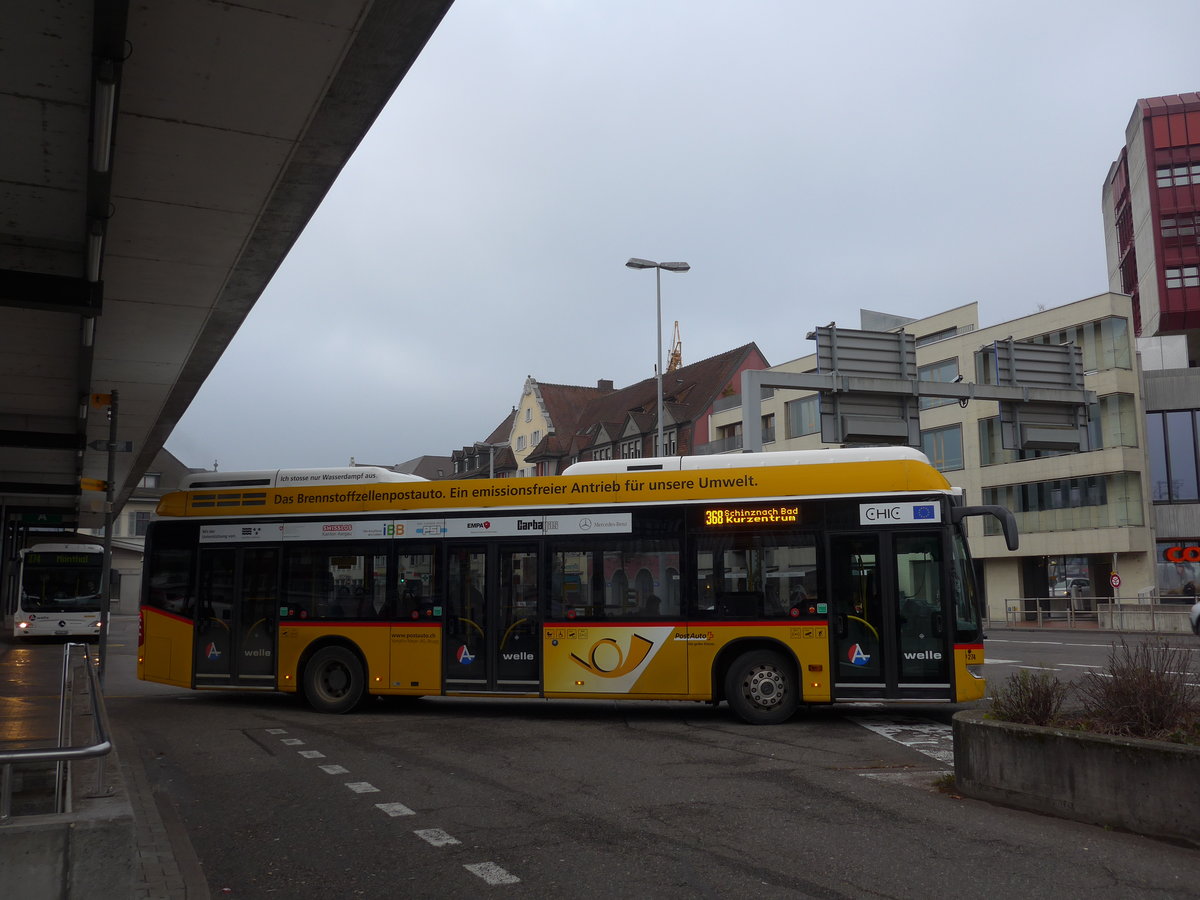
674	266
636	263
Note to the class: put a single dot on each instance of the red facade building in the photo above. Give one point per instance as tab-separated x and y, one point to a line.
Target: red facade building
1151	203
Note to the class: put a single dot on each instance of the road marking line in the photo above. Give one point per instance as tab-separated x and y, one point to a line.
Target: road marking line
395	809
276	731
1006	662
1079	666
311	754
292	742
334	770
437	837
362	787
492	873
931	738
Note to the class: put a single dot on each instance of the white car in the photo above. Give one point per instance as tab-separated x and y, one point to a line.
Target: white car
1195	616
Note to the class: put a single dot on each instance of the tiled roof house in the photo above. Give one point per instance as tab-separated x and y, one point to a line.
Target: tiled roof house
600	423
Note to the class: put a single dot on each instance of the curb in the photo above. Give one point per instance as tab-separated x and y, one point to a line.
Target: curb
167	865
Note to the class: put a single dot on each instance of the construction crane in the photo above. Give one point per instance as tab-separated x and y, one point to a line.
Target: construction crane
675	360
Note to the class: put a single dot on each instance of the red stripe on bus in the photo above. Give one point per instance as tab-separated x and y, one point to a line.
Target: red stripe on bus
356	623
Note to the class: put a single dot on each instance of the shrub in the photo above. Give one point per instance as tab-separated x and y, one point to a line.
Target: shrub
1145	691
1031	698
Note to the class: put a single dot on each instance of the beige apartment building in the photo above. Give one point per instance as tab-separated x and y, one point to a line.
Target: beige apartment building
1082	516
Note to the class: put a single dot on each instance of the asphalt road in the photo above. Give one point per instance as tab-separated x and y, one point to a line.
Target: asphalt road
460	798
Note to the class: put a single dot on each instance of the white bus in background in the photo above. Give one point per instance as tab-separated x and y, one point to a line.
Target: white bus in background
59	591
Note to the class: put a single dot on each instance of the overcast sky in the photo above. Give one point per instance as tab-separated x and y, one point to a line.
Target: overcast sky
808	160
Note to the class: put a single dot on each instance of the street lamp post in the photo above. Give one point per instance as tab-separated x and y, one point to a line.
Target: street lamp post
636	263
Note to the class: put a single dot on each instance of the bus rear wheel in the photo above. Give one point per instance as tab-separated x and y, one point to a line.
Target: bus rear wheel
761	688
334	680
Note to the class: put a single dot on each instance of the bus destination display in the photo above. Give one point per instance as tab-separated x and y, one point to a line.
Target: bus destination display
730	516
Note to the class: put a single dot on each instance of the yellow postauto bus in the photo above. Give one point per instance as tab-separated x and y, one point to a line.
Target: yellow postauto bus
769	581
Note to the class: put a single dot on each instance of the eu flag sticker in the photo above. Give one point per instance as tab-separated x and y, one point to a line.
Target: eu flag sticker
927	512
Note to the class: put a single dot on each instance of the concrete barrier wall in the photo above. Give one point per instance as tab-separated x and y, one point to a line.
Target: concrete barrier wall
85	854
1148	787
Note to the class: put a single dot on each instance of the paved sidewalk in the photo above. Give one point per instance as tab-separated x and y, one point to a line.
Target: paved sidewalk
167	866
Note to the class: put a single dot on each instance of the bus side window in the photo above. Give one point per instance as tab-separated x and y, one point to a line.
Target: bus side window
756	575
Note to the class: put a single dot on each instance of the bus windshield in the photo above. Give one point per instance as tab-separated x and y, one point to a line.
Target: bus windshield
58	588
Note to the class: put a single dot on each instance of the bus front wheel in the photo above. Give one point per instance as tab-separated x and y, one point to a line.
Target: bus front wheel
334	680
761	688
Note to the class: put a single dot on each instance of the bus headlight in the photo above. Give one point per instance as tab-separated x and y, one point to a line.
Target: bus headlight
22	625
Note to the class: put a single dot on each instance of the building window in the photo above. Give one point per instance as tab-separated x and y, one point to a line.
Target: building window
520	442
1178	574
925	340
1172	439
803	416
768	428
535	439
529	414
1185	276
944	447
943	372
149	480
1070	504
1178	226
1112	423
631	449
1170	176
141	521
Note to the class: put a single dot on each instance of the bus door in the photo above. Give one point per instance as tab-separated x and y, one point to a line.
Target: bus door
237	604
889	618
491	628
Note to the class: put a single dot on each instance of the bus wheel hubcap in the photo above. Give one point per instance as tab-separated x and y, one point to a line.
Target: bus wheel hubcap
336	680
765	687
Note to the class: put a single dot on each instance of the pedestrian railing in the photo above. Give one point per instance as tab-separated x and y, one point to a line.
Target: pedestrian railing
1102	613
64	753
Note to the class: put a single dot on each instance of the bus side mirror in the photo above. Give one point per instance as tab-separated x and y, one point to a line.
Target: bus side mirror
1008	522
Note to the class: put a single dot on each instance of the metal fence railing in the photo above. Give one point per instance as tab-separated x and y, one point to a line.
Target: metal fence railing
64	753
1102	613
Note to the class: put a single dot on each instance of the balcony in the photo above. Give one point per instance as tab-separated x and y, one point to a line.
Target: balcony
731	444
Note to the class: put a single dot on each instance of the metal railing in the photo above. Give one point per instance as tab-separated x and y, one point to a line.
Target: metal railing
62	755
1103	613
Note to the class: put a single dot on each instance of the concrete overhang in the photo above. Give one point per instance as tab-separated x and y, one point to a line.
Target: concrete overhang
131	252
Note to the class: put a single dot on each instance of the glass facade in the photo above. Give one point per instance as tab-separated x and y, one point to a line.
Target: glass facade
1178	569
1069	504
1172	439
944	372
1112	422
1105	343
